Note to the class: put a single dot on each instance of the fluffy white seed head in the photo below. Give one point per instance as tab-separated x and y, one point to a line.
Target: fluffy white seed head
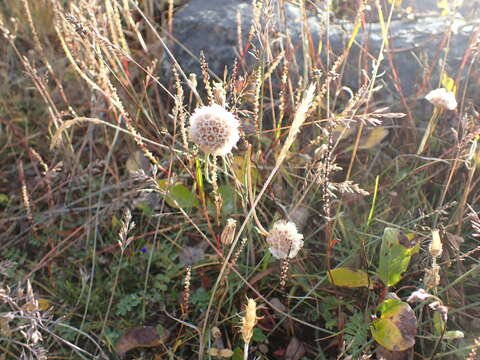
214	129
442	98
284	240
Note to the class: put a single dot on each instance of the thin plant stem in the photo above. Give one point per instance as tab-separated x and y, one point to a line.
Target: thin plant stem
114	288
432	124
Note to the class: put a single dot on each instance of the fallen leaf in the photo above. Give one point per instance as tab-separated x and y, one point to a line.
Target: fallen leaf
137	161
396	328
454	240
140	337
394	355
371	139
295	349
191	255
349	277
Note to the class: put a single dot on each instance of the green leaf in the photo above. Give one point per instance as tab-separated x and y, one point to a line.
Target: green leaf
349	278
127	304
145	208
395	254
180	196
438	323
258	335
453	334
228	199
3	199
397	326
239	166
237	354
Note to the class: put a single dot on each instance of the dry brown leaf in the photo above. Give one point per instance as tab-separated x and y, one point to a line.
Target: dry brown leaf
394	355
139	337
454	240
295	349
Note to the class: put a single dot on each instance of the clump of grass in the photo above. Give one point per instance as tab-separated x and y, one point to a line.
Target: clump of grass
102	132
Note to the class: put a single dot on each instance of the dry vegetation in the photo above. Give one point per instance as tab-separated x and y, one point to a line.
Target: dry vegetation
120	237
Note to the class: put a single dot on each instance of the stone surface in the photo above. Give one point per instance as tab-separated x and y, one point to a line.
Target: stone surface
211	26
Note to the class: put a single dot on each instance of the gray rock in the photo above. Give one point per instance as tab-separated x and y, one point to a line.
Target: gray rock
211	26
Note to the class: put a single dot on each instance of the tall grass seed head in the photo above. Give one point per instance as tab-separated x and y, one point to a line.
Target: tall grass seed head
284	240
214	129
249	320
442	98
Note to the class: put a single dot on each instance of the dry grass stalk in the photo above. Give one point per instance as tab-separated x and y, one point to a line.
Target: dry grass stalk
206	78
186	291
178	109
284	273
473	354
25	196
282	96
239	251
256	104
298	120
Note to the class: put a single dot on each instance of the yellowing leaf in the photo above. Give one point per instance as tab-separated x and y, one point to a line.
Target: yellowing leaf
372	139
396	2
448	83
116	224
3	199
341	132
444	6
40	305
349	278
43	304
239	166
397	326
453	334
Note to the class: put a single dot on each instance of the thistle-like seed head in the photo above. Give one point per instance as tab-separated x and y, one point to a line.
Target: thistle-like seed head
284	240
214	129
442	99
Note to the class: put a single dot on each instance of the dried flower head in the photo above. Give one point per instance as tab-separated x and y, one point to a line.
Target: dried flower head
228	232
442	309
436	246
432	277
284	240
442	98
419	296
214	129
